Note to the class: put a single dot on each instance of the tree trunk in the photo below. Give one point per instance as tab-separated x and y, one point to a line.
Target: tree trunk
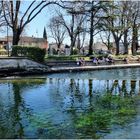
78	44
72	35
117	47
72	45
117	43
91	35
58	48
73	40
134	40
125	42
16	36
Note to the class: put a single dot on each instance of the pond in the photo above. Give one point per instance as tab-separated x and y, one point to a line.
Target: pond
94	104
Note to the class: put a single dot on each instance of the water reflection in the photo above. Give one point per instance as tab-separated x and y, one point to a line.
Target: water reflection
13	108
126	73
50	108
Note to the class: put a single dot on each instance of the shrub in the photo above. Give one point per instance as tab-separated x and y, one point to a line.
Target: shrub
75	51
34	53
98	56
55	51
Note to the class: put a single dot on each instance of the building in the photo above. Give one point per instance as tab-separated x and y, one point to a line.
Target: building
24	41
34	42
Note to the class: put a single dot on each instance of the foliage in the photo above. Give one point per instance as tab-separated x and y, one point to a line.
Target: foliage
138	53
98	56
34	53
74	57
55	51
128	56
75	51
108	110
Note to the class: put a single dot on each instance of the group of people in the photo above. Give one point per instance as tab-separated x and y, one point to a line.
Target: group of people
101	60
96	61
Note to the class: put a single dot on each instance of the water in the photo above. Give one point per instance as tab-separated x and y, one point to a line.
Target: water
133	73
97	104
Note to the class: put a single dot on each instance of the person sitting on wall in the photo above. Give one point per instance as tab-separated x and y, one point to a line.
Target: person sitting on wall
95	61
78	62
107	60
104	60
101	60
126	60
83	61
110	60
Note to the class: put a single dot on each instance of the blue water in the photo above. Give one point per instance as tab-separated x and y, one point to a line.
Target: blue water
48	106
117	74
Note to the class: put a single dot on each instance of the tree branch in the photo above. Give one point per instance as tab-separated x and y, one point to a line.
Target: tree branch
26	12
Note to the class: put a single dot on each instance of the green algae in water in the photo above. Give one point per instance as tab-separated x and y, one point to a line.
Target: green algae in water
108	110
53	108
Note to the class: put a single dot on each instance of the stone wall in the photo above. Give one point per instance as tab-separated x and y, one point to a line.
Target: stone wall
12	65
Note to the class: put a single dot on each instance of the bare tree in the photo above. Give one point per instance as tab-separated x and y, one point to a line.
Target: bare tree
73	21
135	22
58	31
17	19
81	41
106	39
118	24
2	20
126	6
92	9
115	21
82	37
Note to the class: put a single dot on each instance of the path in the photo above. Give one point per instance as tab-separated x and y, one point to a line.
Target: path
87	68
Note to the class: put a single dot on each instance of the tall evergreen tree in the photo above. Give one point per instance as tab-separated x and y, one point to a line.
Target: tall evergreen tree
45	34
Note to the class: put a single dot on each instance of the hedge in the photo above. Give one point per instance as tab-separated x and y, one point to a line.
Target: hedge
35	53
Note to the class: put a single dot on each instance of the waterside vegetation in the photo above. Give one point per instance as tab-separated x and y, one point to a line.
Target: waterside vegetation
107	111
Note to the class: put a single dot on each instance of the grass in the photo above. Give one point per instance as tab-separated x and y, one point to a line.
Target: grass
124	56
87	58
72	57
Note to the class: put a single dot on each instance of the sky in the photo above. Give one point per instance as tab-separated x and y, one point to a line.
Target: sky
36	26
